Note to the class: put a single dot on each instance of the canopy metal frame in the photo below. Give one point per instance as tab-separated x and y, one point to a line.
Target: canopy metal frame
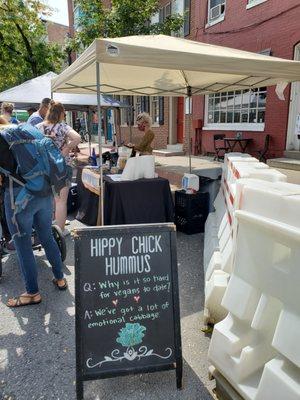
180	91
187	91
226	69
188	94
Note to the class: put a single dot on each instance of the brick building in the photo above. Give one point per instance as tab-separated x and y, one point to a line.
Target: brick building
262	26
56	33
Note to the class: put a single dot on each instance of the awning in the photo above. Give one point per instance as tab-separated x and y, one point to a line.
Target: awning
30	94
167	66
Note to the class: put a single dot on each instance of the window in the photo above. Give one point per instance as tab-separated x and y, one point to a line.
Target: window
137	105
188	105
216	10
165	12
187	17
77	15
153	105
154	109
240	109
181	7
178	8
125	112
252	3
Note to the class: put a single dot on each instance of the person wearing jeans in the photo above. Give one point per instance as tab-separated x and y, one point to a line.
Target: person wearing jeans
38	215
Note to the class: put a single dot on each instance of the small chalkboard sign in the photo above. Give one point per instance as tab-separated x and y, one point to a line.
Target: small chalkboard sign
127	303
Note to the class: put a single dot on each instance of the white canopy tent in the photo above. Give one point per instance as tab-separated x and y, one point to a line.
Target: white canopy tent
168	66
30	94
164	65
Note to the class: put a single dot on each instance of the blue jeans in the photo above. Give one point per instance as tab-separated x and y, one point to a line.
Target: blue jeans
38	215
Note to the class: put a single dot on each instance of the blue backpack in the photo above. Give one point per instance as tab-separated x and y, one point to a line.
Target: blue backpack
39	162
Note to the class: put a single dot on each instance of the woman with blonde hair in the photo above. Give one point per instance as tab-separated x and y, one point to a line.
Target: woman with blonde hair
66	140
144	125
7	111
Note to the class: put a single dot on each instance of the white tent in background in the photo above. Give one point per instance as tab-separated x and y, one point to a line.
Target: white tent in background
168	66
30	94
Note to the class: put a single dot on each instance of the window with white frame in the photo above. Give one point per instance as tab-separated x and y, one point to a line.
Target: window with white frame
252	3
154	109
240	109
216	10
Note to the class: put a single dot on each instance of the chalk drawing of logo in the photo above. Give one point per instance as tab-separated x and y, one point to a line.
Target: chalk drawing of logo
129	336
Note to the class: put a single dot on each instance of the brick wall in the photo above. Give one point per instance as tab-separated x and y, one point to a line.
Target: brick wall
270	25
56	32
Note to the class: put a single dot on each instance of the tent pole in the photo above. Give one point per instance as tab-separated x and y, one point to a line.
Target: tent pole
101	208
189	95
89	129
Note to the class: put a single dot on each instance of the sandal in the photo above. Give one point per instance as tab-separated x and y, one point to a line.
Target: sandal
18	301
60	287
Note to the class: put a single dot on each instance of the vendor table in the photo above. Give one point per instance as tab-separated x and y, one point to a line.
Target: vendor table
125	202
233	142
137	202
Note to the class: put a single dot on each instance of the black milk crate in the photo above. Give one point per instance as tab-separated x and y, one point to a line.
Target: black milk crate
191	211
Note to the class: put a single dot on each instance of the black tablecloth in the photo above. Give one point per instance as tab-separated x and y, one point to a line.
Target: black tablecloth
138	202
129	202
88	202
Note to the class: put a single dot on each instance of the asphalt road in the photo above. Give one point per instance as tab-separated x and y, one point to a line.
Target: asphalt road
37	344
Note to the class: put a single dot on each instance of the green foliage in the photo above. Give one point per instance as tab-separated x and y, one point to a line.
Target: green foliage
25	53
124	18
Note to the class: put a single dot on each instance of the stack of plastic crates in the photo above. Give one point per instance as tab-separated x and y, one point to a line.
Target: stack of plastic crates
191	211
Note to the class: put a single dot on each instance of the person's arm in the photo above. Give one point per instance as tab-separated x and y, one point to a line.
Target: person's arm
73	141
145	142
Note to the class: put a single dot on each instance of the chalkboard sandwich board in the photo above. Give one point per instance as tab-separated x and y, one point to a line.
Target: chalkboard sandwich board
127	305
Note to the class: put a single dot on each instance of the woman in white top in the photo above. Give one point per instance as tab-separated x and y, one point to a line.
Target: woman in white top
66	140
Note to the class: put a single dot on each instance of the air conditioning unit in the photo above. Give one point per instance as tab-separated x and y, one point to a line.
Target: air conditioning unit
216	11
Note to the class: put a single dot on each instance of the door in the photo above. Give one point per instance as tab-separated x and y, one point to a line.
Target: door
293	143
180	119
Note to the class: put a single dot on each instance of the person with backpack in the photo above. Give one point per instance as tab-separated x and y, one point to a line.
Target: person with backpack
66	139
33	169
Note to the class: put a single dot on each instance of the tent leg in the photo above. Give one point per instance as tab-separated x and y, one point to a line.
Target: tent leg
89	129
101	195
189	95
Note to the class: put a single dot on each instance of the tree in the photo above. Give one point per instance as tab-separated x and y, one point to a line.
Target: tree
124	18
25	53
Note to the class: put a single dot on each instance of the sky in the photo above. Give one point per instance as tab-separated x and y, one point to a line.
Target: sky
60	15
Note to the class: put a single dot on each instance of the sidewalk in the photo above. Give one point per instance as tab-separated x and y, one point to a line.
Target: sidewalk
173	168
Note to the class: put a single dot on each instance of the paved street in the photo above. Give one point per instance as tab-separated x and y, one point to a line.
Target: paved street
37	346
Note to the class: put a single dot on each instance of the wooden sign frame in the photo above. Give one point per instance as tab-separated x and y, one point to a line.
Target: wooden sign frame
177	359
